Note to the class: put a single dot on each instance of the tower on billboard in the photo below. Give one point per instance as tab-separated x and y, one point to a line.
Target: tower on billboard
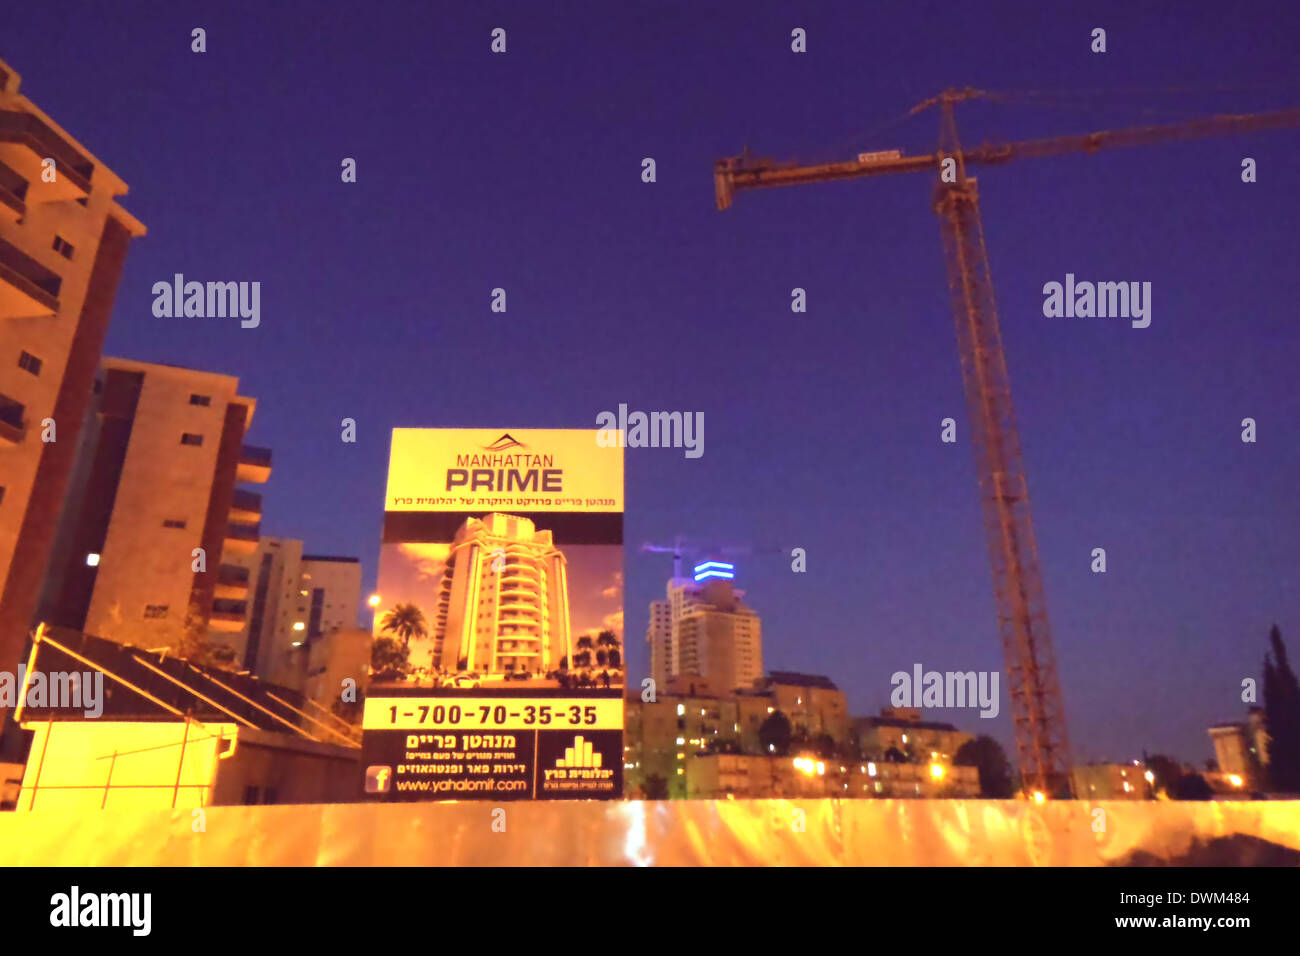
503	601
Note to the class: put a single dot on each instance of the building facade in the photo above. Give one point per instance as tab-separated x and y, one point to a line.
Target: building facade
901	729
503	601
153	526
704	630
294	600
63	243
753	776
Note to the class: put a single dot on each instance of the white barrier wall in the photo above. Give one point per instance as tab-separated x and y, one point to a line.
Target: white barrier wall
675	833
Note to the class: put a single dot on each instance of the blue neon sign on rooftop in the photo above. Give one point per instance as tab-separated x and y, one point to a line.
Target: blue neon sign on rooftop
715	569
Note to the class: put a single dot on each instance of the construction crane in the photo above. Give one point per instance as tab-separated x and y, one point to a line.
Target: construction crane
1042	743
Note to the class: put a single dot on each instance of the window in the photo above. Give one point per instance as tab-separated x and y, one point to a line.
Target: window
188	438
2	494
200	399
63	247
174	523
155	610
29	363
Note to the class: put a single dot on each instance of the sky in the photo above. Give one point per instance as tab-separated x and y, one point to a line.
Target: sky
522	171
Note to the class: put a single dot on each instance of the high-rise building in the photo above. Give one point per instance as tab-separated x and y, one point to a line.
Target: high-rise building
703	629
294	599
63	242
150	538
503	601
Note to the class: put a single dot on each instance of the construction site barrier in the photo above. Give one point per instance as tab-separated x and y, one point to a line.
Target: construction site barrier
666	833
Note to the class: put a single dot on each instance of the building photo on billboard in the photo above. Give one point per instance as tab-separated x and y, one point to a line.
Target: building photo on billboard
498	618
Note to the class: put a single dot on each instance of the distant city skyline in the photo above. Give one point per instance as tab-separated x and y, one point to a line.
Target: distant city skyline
522	171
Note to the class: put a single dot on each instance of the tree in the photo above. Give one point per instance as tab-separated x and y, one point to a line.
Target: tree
389	659
775	734
602	656
1281	716
824	746
615	658
406	621
1166	772
195	645
585	642
1191	786
582	659
987	756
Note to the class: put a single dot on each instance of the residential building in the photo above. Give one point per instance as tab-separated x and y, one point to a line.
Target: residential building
814	705
294	599
658	736
153	527
63	242
722	776
902	729
1111	781
704	630
1241	749
503	601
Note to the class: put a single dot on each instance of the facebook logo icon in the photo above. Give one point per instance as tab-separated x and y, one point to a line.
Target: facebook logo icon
377	779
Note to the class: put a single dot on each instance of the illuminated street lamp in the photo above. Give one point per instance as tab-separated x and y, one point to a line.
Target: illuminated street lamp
1235	780
1039	796
373	600
936	771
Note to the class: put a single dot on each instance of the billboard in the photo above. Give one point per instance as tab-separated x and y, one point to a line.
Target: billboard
501	596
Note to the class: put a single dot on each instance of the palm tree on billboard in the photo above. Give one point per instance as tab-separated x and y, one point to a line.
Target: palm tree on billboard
406	621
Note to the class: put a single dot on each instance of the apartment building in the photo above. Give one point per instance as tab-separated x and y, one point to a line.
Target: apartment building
63	243
901	729
751	776
703	630
148	547
294	600
659	736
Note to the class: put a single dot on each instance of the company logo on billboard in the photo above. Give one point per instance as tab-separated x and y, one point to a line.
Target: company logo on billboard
505	441
378	778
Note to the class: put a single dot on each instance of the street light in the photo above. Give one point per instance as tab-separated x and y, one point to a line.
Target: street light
374	600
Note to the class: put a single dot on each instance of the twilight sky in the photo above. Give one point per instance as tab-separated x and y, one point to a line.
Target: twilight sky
522	171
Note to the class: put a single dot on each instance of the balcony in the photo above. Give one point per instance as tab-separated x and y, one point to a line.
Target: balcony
232	582
13	194
12	427
227	615
254	465
27	288
25	141
246	507
242	539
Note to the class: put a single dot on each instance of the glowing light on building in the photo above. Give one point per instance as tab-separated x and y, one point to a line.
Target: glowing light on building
715	569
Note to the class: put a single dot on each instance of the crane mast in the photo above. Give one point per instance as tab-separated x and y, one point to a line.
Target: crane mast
1042	743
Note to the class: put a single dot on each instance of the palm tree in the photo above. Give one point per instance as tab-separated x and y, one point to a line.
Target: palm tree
584	642
406	621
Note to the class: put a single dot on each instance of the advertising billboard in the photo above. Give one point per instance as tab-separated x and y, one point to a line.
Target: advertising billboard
499	665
